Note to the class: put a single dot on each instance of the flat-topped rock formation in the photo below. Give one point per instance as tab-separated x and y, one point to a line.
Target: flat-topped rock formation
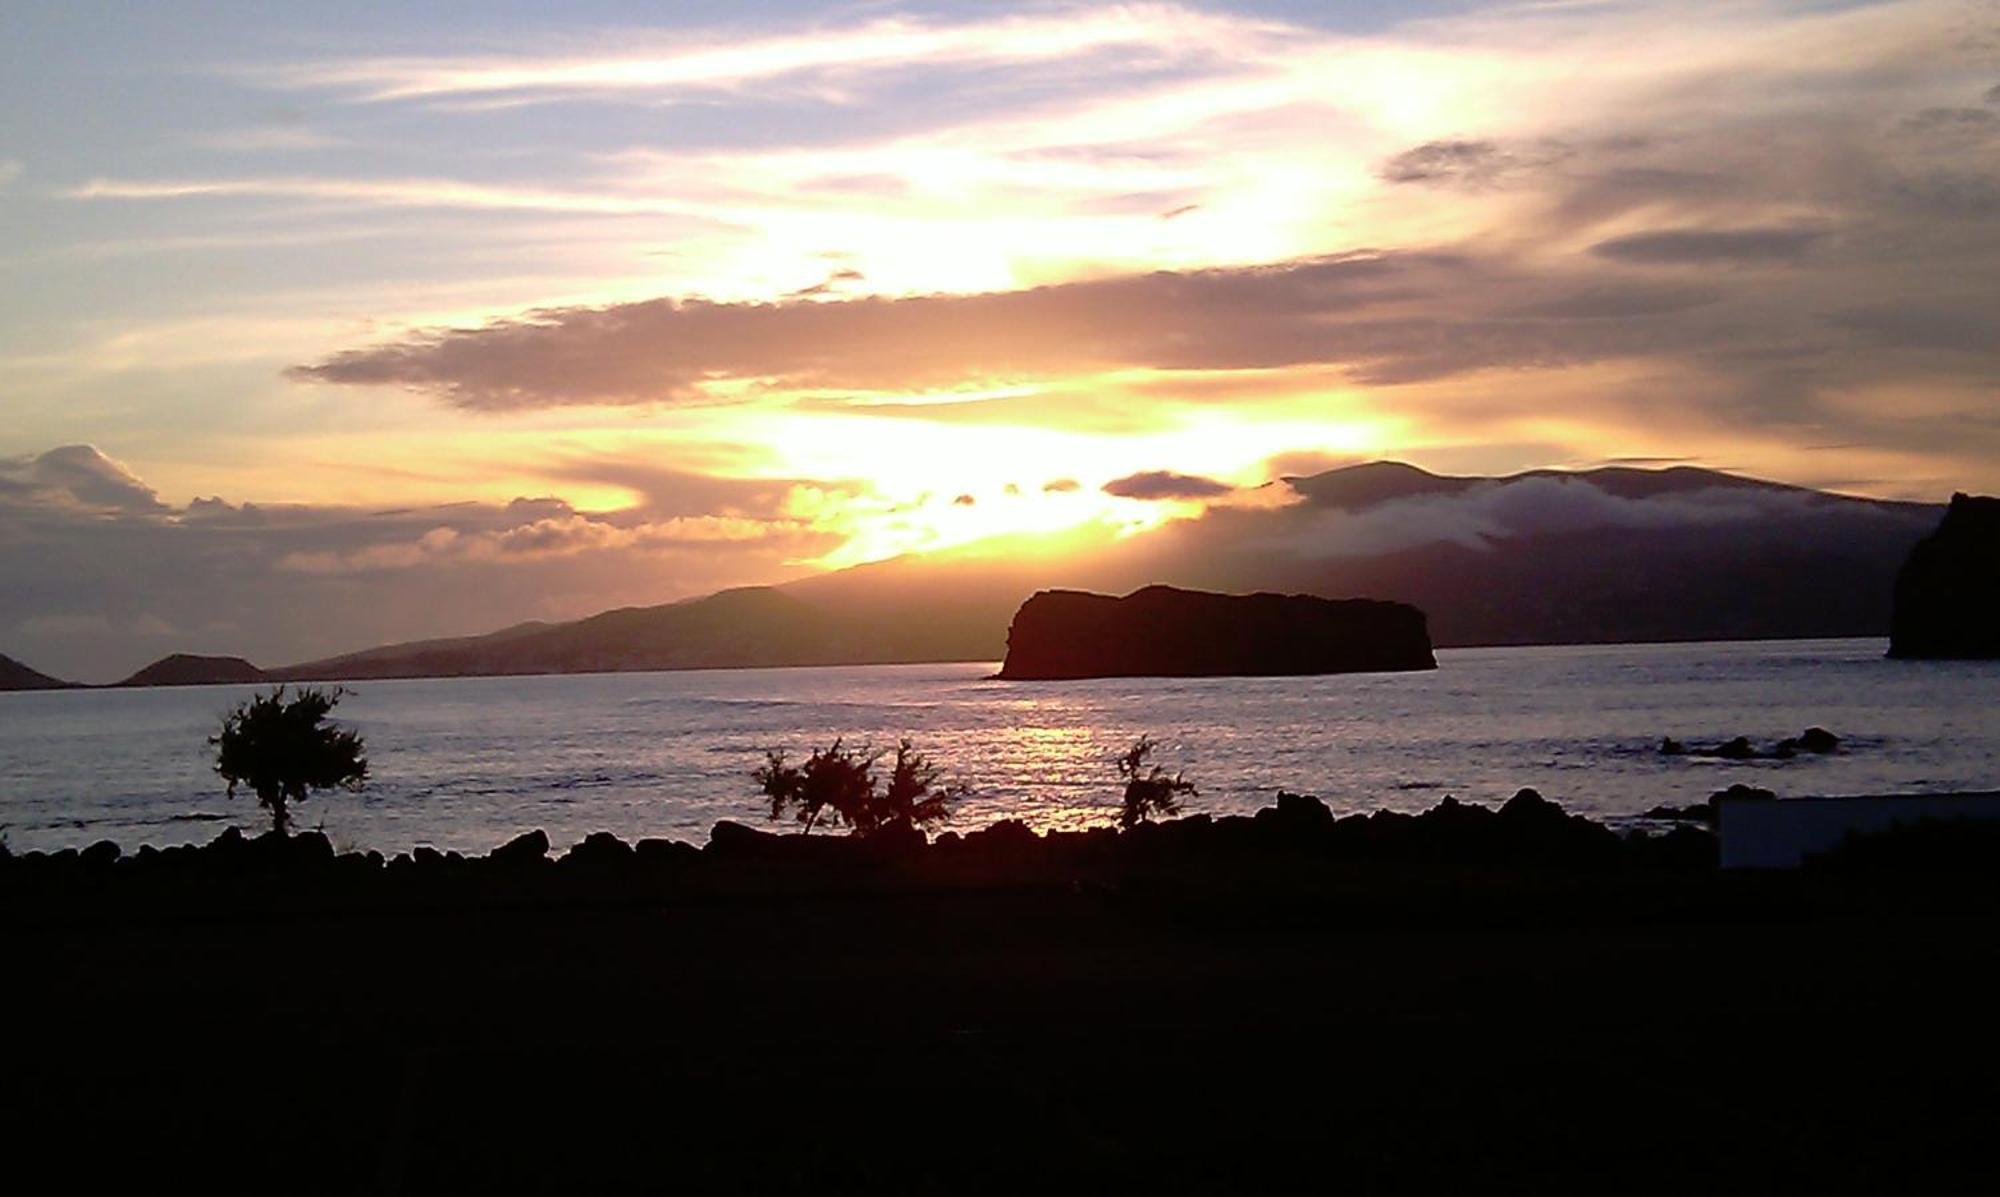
16	676
186	669
1161	631
1948	593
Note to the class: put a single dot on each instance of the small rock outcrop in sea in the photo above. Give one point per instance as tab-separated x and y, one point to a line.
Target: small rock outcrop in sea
1948	592
1162	631
186	669
1815	740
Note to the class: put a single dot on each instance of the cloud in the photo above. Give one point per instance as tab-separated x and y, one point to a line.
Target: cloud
1956	124
561	535
10	169
692	66
1487	512
56	627
1383	318
1704	246
1165	484
665	349
1061	486
386	193
1388	318
79	478
1927	326
1470	164
1702	149
99	575
261	138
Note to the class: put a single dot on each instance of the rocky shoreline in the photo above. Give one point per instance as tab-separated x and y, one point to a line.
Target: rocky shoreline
1515	1000
1299	832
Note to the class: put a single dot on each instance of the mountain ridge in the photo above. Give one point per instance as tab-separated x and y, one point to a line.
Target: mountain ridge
1618	553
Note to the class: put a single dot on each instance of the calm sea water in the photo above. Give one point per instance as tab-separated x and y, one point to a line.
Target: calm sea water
467	763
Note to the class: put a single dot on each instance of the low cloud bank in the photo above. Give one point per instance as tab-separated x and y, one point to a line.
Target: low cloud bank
1489	512
98	575
1154	485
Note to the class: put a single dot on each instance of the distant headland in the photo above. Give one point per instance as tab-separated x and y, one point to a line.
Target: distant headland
1948	592
16	676
186	669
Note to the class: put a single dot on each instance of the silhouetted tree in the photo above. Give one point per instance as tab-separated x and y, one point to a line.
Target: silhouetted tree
837	785
914	797
283	749
1148	791
833	785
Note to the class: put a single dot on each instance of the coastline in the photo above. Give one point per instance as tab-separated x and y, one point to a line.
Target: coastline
465	764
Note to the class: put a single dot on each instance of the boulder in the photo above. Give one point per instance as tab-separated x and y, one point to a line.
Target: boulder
730	838
1528	806
658	853
1738	749
599	850
523	851
897	839
1296	815
310	850
1008	839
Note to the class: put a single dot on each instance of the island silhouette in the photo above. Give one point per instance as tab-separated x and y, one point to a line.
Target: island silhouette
1161	631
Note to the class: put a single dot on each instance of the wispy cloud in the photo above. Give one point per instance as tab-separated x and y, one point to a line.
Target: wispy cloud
260	138
1158	485
402	193
684	65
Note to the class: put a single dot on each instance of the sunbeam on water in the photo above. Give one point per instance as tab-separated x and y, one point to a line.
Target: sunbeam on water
467	763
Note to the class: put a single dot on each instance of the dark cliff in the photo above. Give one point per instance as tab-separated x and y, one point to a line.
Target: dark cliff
186	669
1164	632
1948	592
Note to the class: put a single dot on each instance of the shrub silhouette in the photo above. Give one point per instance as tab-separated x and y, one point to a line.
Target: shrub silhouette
1148	792
283	749
837	785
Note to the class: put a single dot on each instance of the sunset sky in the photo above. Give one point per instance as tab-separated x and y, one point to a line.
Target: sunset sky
321	325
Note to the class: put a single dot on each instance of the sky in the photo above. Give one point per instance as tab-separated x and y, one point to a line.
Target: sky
323	325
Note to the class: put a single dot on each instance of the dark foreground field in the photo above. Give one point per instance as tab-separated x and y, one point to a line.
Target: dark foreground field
1274	1021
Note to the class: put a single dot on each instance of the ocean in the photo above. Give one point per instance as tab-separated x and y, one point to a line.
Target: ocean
466	763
